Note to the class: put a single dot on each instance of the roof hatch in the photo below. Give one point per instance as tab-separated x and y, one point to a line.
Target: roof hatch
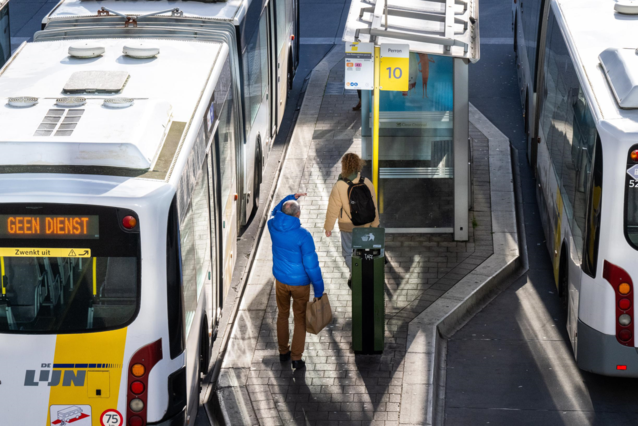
96	82
621	70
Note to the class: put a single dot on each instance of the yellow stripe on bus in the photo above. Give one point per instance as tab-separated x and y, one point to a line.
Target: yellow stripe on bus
44	252
90	368
4	290
94	276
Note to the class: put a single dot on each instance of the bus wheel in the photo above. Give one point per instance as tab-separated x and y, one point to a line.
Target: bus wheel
563	280
204	348
257	176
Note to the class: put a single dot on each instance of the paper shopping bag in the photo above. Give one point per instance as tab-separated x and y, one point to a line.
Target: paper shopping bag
318	314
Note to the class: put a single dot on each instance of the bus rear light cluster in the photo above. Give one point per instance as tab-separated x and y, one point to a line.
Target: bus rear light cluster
140	367
634	155
623	289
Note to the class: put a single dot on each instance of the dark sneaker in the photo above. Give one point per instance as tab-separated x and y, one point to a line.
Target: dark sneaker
284	357
298	364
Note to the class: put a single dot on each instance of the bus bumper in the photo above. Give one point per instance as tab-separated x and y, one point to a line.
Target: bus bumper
602	354
178	420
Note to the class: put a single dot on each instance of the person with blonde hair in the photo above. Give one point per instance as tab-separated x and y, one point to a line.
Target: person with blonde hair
341	200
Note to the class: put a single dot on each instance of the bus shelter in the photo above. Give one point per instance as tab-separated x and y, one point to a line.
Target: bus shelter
420	159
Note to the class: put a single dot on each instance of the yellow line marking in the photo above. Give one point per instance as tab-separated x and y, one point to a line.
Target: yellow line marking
44	252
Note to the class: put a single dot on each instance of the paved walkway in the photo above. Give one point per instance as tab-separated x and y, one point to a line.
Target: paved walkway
337	388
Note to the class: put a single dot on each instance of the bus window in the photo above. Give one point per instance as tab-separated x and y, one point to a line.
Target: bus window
195	247
594	213
174	284
631	203
5	35
225	140
255	60
569	131
280	6
62	281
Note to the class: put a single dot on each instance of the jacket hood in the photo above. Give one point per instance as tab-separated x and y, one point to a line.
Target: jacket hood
283	222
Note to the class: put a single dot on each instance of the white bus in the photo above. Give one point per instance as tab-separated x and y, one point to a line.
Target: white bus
586	134
125	152
526	24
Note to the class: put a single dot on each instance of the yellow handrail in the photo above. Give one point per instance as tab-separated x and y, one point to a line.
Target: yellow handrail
4	290
94	276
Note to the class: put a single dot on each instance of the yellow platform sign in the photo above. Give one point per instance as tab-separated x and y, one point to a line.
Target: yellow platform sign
44	252
395	67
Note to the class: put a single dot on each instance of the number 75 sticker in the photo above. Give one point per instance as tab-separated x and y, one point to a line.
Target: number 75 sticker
111	418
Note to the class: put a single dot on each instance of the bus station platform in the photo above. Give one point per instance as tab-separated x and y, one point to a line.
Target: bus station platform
433	285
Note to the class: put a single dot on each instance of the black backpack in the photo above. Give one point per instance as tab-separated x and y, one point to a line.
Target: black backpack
361	204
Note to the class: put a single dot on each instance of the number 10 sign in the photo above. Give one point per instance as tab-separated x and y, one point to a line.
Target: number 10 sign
395	67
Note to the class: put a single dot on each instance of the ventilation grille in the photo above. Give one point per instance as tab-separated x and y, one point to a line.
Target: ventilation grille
59	122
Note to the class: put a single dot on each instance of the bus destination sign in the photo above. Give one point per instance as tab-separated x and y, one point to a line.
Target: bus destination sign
47	226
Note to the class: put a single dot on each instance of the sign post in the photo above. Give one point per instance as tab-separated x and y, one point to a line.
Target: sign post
375	121
359	66
391	72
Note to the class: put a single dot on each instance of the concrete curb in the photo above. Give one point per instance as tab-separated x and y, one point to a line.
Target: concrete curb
234	401
425	345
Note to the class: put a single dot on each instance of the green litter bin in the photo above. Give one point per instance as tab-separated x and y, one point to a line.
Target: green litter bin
368	296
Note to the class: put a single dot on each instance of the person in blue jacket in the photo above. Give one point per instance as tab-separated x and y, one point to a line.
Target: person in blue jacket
295	267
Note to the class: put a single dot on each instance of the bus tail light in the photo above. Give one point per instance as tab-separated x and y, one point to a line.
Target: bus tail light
623	288
634	155
140	367
621	367
135	421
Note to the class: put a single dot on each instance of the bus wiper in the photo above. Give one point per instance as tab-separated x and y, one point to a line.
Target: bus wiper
132	19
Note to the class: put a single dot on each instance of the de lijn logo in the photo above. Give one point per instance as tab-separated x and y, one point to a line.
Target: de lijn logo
62	374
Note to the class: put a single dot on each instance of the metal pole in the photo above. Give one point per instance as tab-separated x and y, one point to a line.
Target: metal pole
375	120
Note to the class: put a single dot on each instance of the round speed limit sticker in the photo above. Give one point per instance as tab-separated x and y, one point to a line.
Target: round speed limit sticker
111	418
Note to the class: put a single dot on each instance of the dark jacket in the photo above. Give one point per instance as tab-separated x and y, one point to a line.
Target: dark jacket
295	260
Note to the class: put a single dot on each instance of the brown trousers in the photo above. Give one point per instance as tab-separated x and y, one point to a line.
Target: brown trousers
300	295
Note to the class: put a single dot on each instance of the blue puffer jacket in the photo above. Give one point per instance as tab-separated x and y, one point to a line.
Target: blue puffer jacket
295	260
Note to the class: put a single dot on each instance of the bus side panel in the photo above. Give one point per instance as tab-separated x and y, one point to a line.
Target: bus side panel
598	299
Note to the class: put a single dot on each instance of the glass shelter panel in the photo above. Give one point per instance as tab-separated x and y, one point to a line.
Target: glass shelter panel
416	128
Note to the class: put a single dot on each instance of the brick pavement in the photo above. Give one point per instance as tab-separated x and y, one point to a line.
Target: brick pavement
337	388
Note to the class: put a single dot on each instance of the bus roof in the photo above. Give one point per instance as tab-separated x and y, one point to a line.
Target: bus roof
166	90
231	10
594	26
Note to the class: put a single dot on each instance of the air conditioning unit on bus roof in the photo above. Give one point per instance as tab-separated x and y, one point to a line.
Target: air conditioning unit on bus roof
621	70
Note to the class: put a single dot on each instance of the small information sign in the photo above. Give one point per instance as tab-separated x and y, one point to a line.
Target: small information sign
359	66
395	67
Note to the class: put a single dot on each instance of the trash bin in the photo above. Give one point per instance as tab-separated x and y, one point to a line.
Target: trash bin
368	281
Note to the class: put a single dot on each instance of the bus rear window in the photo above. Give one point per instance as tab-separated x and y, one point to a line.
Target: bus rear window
67	282
631	199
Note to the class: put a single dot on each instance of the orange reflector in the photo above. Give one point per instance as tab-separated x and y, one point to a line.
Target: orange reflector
138	370
634	155
621	367
624	288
